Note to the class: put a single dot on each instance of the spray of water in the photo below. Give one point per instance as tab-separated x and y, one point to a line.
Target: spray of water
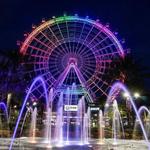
119	86
141	110
101	128
24	104
59	121
32	132
4	108
28	110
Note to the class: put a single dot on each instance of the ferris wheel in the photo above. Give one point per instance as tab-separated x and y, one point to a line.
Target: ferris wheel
70	49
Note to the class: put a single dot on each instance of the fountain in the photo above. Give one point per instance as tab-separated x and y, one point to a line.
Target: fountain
101	127
49	118
68	114
85	129
59	122
80	116
32	132
83	119
89	123
73	112
146	122
75	57
24	104
29	109
4	108
111	97
4	113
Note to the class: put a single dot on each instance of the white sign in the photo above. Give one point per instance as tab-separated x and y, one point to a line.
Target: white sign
94	108
71	108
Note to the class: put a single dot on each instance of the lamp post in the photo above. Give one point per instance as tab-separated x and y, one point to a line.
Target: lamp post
136	95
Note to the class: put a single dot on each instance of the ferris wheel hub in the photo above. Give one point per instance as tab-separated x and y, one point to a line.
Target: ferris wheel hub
72	61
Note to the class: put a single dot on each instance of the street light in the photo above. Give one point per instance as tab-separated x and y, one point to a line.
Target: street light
106	105
27	104
34	103
126	95
136	95
127	99
15	106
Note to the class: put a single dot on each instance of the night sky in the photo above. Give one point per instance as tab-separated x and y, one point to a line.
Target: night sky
131	18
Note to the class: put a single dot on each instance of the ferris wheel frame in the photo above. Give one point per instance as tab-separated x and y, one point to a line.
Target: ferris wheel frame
95	24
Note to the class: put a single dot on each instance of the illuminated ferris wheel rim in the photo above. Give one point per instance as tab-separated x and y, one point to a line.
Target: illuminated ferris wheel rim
70	49
52	21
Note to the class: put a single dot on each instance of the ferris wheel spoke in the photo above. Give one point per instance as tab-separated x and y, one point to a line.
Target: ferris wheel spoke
54	45
87	55
89	42
53	62
66	47
39	56
104	61
94	38
85	76
56	38
89	32
108	54
57	73
87	71
55	69
79	39
99	72
39	49
74	37
104	48
53	65
100	89
89	66
58	52
40	69
42	43
46	74
104	82
68	34
95	45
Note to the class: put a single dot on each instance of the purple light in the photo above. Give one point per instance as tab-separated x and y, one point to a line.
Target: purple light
82	42
24	104
117	86
3	105
142	108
